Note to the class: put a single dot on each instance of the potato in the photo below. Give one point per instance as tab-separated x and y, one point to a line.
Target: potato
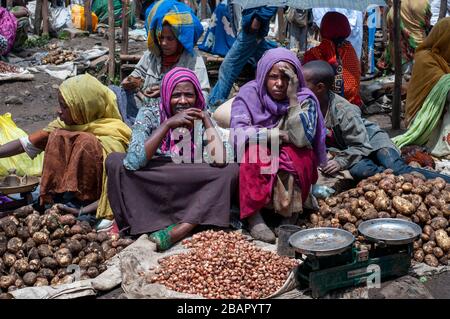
382	203
45	250
103	236
74	246
370	196
428	247
439	183
343	216
442	240
19	283
415	219
427	229
424	237
370	213
387	184
324	211
92	272
9	228
437	251
14	245
423	216
55	243
41	281
57	234
369	187
350	228
430	200
63	257
40	238
102	268
51	221
21	266
439	223
112	251
49	262
7	281
407	187
435	212
431	260
403	206
417	244
69	220
90	260
33	223
331	201
29	278
77	229
23	233
46	273
34	265
313	218
23	211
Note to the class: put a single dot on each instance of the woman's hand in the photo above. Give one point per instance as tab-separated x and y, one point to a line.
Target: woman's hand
185	118
331	168
152	92
131	83
293	83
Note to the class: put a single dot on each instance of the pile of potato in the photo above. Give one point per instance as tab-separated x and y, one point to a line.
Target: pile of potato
57	55
408	196
223	265
37	250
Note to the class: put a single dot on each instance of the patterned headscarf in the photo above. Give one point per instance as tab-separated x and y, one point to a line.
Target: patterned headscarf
8	28
168	84
185	24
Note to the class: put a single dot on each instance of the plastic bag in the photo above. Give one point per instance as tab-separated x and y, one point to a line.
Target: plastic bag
78	18
23	164
322	191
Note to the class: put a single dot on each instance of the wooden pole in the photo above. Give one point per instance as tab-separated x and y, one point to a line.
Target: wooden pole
442	9
38	17
203	4
124	46
384	24
281	25
45	17
398	68
88	15
111	41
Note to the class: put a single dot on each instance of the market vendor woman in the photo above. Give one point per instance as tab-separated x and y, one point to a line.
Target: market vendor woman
150	193
173	31
76	144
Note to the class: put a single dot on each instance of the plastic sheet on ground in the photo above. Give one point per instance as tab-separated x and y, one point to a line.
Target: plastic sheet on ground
62	71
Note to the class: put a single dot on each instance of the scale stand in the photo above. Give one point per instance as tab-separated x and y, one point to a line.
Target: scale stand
353	267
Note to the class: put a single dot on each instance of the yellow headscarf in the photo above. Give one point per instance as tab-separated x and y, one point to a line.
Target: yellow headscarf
432	60
93	107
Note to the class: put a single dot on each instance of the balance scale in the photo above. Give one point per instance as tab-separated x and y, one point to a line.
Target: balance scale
13	184
331	260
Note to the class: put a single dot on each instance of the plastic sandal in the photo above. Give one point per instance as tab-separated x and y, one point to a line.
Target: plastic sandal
162	238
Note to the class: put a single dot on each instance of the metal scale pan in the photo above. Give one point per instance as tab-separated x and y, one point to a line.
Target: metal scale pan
391	231
322	241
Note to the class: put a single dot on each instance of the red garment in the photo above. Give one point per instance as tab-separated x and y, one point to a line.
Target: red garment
335	25
255	189
326	51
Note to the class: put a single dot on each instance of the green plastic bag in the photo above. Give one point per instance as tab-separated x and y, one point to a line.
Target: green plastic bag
22	163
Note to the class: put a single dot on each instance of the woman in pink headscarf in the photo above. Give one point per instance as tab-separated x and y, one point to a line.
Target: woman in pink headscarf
162	185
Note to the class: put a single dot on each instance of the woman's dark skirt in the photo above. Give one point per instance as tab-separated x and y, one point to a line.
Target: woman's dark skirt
164	193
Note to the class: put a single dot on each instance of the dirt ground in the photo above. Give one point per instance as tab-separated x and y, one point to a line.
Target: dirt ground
38	98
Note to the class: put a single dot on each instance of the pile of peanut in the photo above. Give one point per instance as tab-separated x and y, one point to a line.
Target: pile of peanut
223	265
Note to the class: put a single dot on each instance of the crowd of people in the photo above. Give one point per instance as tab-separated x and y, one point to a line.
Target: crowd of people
150	157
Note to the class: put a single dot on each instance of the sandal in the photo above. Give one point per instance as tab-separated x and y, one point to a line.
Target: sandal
162	238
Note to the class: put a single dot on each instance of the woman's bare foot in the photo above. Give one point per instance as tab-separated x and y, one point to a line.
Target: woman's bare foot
259	230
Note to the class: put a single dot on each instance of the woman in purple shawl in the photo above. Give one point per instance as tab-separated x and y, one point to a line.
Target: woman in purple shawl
278	98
